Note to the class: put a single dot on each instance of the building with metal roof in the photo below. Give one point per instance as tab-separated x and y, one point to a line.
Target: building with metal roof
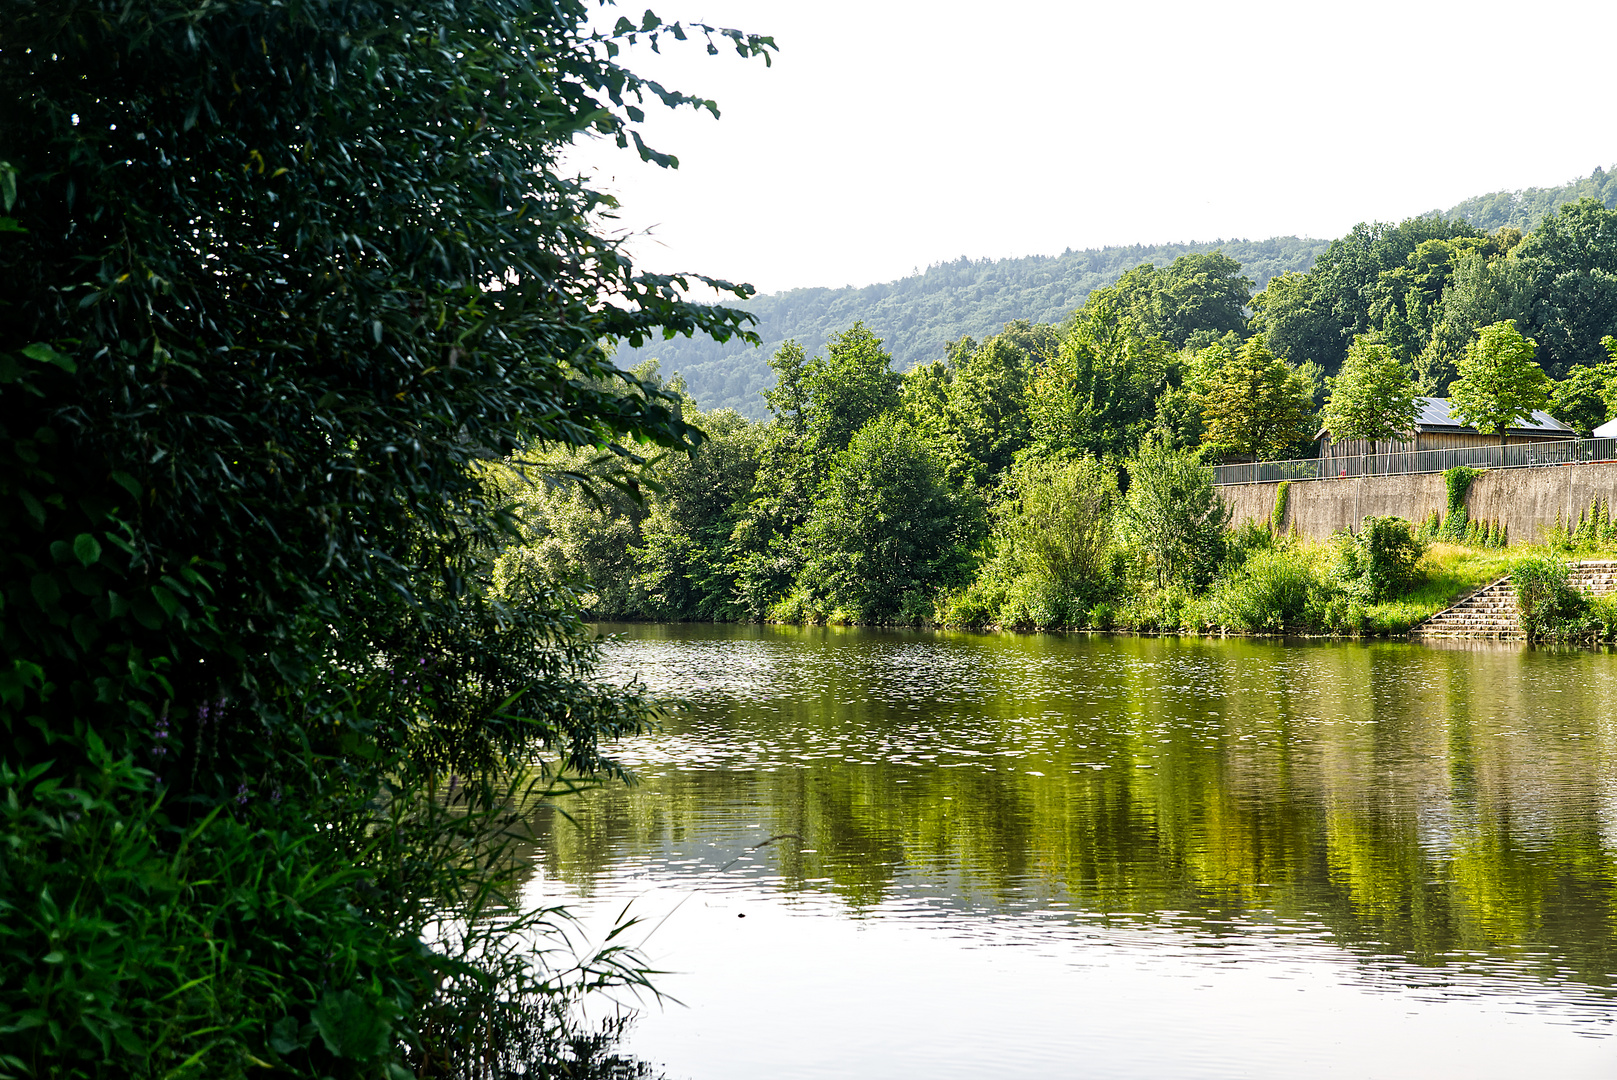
1436	428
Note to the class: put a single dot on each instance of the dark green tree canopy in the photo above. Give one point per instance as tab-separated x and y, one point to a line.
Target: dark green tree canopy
1570	268
281	277
301	266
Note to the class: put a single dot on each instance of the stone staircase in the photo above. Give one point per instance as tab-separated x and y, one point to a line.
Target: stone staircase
1490	612
1597	576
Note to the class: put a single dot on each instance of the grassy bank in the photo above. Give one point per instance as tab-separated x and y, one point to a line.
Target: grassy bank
1288	585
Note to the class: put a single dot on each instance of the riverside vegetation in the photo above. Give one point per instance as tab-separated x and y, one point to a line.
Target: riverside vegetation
278	277
1327	284
1056	476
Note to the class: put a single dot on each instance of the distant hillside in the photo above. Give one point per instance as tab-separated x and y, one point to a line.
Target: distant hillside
1524	209
917	315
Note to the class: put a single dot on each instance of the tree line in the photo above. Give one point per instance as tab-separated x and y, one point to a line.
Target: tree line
1027	478
918	314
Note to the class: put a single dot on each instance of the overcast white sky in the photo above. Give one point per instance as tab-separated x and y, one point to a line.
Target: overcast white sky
891	134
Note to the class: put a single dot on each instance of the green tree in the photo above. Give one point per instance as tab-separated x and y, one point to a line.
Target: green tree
1255	405
1095	395
1294	318
1203	294
684	559
1582	400
1483	288
1207	295
1499	382
1053	539
1569	263
818	404
1348	277
882	534
1172	517
280	277
1372	398
764	560
852	384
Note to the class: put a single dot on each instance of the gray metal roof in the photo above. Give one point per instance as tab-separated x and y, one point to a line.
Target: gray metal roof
1434	415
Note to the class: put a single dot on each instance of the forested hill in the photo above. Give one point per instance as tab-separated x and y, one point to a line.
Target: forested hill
917	315
1526	208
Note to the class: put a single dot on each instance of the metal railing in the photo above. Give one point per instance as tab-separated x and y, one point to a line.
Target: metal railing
1514	456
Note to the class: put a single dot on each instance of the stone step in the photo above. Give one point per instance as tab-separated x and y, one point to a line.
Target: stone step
1490	612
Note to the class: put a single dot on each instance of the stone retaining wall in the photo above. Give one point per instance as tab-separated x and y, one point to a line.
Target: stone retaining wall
1522	499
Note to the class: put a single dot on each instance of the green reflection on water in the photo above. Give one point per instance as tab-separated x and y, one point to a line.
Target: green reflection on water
1444	805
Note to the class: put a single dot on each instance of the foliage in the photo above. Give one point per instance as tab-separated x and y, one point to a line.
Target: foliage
1358	271
1053	548
1568	267
818	403
1295	319
884	528
1485	287
1277	516
1379	562
1593	530
1548	603
921	314
1095	395
1270	591
1499	383
281	277
986	416
1525	208
1172	516
1255	405
1372	398
1582	400
1199	294
684	559
1457	483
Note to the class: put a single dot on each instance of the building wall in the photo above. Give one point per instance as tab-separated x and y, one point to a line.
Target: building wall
1522	499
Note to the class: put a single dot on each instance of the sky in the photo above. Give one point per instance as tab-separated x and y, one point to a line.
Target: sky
892	134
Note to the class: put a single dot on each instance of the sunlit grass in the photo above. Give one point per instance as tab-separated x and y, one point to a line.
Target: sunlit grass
1447	572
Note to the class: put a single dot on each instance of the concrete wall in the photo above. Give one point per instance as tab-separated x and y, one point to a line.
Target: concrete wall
1522	499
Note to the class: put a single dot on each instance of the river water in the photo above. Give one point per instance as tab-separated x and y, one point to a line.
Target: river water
883	854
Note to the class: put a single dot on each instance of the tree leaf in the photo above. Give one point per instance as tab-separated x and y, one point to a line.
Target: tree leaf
86	549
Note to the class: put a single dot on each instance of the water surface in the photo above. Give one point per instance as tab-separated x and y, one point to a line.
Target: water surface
884	854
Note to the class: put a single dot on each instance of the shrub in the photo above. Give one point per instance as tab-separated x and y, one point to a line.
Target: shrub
1244	540
884	526
1549	606
1603	610
1272	591
1161	610
1173	519
1380	561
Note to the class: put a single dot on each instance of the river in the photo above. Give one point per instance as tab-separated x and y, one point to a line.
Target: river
878	854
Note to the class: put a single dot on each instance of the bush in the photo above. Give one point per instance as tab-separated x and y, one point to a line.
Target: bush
1244	540
1272	591
1603	610
1380	561
1167	611
1172	519
1549	606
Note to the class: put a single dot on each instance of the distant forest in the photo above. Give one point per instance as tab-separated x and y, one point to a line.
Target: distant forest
917	316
